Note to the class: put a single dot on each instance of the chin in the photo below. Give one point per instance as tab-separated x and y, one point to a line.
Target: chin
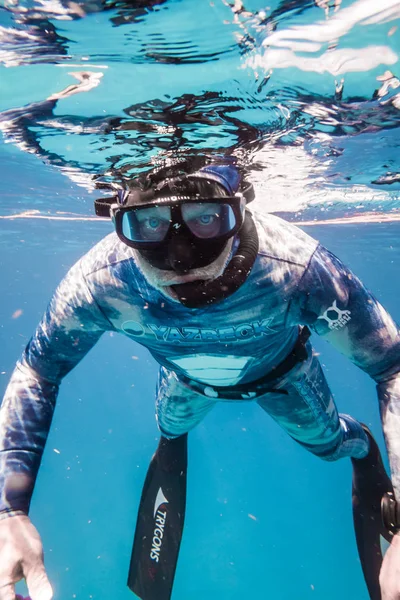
162	279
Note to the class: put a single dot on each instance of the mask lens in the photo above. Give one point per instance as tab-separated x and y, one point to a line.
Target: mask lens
146	224
208	220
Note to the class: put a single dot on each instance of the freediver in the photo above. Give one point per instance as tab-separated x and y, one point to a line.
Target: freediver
225	300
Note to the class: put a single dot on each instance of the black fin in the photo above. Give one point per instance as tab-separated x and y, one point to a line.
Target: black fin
160	522
370	483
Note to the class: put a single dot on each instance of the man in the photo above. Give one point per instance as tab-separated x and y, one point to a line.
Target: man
224	302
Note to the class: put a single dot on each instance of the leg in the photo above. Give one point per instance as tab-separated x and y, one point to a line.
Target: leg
178	408
303	405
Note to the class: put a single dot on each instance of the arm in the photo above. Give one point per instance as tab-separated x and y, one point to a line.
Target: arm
336	305
70	327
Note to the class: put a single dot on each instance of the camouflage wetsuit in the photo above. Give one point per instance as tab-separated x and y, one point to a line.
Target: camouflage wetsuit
294	281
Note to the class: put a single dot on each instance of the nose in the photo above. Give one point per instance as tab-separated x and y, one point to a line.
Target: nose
181	255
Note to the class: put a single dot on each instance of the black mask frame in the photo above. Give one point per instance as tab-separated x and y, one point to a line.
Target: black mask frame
237	203
124	197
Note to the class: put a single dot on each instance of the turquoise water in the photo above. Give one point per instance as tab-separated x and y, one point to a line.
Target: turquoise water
264	518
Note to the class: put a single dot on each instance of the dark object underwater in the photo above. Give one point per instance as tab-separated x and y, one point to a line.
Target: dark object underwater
160	521
370	484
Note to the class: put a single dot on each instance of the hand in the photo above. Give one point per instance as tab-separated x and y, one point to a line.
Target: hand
21	555
389	577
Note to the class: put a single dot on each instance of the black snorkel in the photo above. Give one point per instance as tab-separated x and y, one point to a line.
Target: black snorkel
202	293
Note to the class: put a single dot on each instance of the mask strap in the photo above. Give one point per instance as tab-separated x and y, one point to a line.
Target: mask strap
102	205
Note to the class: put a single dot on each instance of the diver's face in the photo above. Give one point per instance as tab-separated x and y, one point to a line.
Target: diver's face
190	243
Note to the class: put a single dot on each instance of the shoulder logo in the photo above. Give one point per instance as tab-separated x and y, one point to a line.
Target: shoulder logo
335	317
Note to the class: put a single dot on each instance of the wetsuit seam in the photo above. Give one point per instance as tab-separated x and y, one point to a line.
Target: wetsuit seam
387	379
36	451
23	364
289	262
109	264
10	512
299	283
96	303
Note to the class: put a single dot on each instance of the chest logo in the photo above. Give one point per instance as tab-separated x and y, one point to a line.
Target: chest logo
162	333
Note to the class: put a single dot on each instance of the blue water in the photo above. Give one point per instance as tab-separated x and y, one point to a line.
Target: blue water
264	518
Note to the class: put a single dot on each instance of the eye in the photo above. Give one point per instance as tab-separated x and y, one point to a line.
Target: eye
154	228
206	219
153	223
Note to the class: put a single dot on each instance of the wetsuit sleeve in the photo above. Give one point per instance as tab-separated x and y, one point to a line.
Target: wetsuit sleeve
70	327
336	305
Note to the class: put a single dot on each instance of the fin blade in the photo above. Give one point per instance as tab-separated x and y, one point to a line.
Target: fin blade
160	522
368	537
370	483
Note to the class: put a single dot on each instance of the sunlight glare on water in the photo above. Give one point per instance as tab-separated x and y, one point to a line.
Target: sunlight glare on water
304	95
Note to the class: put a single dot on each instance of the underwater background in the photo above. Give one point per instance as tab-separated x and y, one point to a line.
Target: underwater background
306	96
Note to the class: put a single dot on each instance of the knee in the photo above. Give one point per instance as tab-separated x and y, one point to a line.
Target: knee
328	453
168	435
326	445
348	441
171	427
